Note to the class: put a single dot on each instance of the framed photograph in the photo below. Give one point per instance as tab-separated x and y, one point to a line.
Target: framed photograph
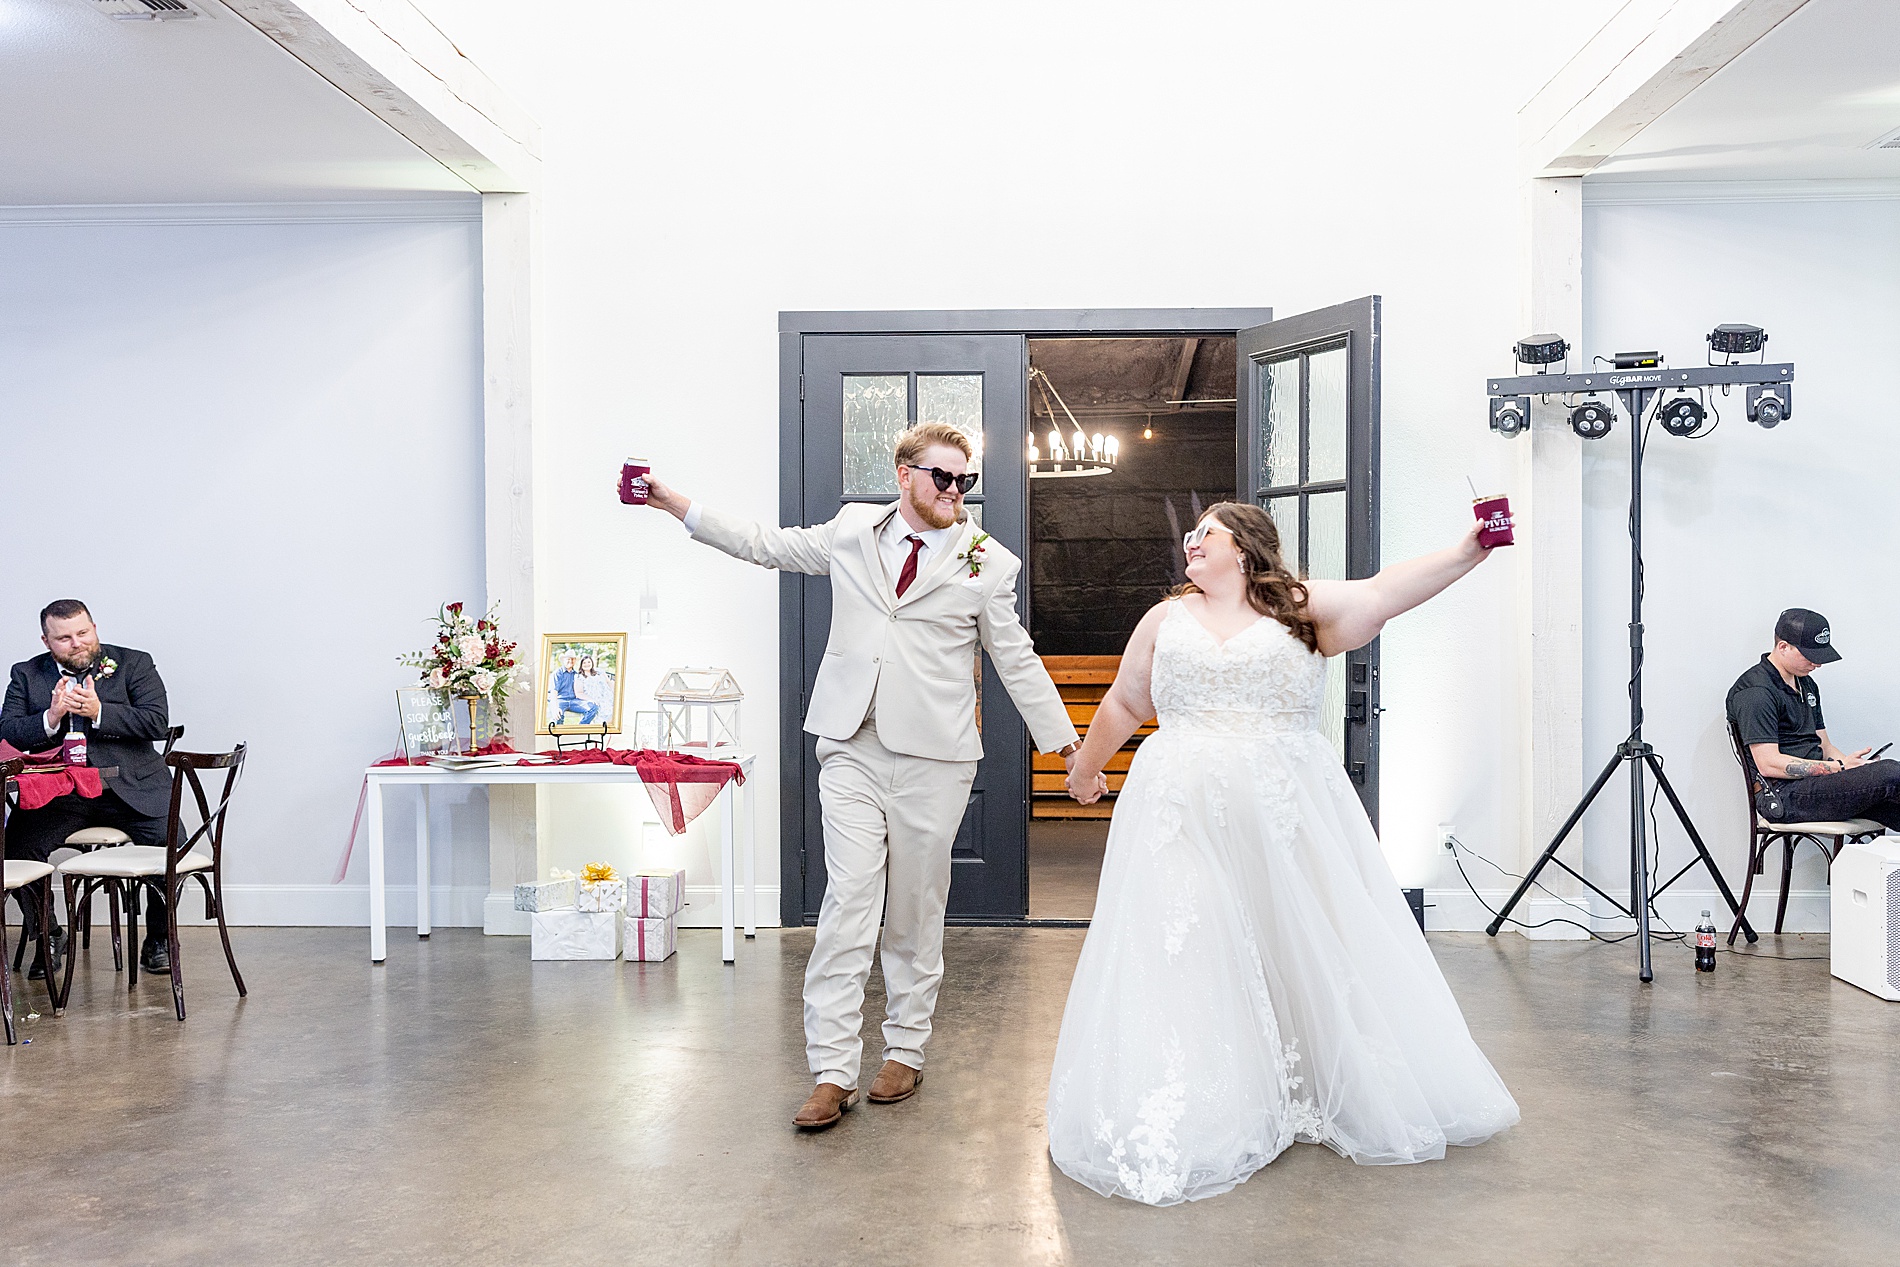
580	683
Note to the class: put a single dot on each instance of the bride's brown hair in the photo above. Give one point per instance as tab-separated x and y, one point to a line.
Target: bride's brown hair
1272	589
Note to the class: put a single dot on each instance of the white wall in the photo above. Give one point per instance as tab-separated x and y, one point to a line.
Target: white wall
1746	522
708	167
250	439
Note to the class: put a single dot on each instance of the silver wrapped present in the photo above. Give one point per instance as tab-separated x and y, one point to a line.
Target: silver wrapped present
572	934
545	895
656	894
651	940
601	895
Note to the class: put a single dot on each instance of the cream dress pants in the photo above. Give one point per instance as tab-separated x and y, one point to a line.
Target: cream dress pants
889	820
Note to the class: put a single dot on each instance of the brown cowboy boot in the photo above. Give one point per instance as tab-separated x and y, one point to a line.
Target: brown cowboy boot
827	1104
894	1082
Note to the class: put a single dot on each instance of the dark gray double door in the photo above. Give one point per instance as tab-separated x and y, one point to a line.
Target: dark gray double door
848	395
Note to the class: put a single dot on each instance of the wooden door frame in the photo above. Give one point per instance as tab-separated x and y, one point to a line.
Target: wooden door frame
1030	323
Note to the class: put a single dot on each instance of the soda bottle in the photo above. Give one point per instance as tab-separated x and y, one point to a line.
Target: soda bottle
1705	944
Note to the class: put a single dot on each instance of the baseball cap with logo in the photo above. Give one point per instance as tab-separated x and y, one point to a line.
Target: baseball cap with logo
1809	633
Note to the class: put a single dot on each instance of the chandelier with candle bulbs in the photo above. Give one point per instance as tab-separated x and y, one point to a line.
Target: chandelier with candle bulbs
1071	457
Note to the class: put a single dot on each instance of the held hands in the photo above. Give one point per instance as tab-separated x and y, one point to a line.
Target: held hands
1086	786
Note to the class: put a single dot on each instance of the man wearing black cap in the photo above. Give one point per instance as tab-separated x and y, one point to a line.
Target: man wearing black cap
1777	708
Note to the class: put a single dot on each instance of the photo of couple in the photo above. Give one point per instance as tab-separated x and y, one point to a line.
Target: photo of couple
582	681
1285	993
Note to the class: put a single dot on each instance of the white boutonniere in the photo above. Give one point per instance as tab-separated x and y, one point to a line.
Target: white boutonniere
107	667
972	558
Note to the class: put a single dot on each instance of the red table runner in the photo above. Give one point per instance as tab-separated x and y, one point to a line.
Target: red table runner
681	785
41	786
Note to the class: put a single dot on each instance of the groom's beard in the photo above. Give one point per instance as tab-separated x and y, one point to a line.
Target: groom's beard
927	508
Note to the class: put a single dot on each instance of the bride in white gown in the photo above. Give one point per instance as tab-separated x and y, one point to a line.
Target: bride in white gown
1252	975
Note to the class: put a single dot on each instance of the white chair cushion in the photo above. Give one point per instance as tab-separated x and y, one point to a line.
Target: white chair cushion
94	836
130	860
1847	827
22	871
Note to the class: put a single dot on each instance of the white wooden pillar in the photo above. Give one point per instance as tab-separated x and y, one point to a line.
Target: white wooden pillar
1551	570
508	251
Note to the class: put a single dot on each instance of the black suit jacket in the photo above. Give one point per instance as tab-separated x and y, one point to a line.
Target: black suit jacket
132	715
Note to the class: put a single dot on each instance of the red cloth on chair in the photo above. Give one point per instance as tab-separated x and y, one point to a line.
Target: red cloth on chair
681	785
41	786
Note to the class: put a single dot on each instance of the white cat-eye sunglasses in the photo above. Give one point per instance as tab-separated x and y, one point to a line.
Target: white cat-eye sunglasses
1199	534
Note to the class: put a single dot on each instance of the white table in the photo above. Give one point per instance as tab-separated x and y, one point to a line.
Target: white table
421	777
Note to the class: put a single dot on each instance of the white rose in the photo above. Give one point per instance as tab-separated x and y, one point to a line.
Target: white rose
482	680
469	649
438	679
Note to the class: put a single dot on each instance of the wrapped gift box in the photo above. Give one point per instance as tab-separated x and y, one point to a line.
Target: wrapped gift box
602	895
545	895
656	894
651	940
572	934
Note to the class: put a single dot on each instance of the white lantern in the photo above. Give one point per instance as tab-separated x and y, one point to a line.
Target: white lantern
699	708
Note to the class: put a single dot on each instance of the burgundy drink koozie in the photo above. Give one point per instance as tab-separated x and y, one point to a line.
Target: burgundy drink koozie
633	481
1495	514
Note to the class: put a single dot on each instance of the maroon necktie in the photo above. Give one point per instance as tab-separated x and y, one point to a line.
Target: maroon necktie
909	574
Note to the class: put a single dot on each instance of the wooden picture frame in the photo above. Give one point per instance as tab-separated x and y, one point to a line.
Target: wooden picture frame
570	698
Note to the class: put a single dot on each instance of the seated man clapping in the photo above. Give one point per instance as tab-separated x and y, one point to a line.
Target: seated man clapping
1776	707
117	700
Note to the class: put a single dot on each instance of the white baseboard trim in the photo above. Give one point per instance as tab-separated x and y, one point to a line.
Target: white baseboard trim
702	911
466	906
1456	910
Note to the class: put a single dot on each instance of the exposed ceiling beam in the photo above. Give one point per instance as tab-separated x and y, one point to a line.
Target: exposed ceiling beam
1645	59
395	63
1182	369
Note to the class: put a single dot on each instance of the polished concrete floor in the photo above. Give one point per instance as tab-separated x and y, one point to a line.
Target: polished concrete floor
465	1106
1065	866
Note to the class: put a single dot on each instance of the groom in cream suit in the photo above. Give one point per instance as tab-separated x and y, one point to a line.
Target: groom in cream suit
915	588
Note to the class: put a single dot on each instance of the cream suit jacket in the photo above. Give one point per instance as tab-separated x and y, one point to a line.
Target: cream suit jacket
913	656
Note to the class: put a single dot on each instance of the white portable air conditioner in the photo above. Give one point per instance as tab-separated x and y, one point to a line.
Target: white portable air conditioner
1865	929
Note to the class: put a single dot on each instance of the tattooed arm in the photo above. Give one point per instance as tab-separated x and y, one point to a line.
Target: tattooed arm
1776	764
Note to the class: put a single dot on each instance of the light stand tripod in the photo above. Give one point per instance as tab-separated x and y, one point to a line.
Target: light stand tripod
1635	389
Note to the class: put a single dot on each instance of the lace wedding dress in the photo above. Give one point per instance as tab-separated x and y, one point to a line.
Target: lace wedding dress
1252	975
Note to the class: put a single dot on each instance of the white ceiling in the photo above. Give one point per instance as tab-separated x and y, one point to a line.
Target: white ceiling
1803	103
98	111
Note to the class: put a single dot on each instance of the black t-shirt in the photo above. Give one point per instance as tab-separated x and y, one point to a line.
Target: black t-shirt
1766	711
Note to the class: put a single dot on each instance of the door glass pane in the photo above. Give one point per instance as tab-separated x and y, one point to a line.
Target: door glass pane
1326	415
874	415
958	400
1326	536
1286	518
1279	414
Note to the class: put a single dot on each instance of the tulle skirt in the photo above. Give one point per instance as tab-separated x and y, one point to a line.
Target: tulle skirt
1253	976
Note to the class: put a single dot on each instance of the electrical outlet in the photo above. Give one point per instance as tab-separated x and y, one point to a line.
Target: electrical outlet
1445	833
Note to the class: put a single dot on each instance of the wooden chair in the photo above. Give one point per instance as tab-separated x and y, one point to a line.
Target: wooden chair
87	839
1763	835
18	873
169	867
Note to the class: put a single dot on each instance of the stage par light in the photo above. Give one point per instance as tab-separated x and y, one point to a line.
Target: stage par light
1592	419
1683	416
1769	404
1510	415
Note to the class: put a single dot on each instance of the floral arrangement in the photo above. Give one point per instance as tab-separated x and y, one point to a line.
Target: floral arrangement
469	657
